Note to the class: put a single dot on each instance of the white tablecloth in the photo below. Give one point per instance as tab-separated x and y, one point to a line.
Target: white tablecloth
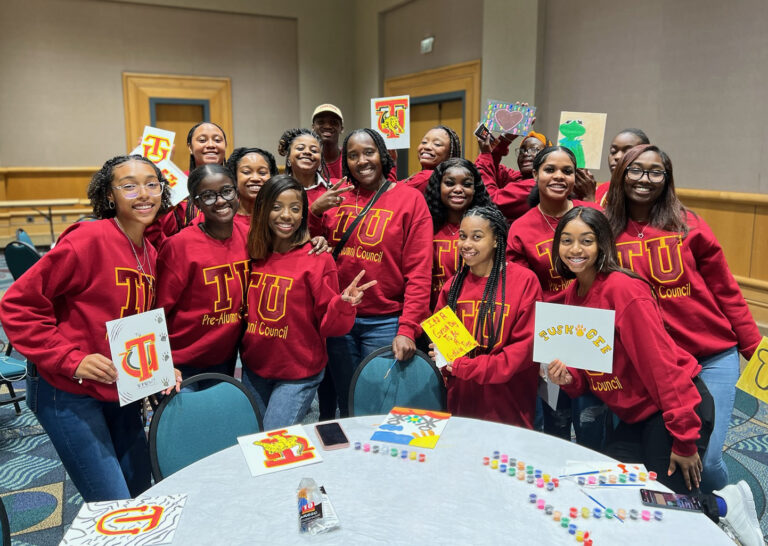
450	498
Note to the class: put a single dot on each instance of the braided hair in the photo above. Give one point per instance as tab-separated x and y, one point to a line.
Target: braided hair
435	204
239	153
387	163
101	185
454	149
286	140
486	315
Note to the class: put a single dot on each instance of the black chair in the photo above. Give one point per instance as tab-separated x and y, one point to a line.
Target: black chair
12	369
190	425
5	526
20	256
379	384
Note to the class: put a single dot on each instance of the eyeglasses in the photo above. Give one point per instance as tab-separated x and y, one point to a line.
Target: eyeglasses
655	176
132	190
209	197
528	151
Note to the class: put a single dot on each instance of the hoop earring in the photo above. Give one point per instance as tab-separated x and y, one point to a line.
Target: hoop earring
111	205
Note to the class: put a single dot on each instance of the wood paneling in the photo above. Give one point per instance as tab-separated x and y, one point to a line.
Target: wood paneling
139	88
458	77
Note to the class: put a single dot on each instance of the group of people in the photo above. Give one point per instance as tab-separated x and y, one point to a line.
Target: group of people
304	274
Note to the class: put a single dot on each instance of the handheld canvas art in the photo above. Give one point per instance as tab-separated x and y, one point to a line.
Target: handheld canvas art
754	378
142	355
391	118
583	133
156	145
413	427
276	450
504	117
449	335
137	522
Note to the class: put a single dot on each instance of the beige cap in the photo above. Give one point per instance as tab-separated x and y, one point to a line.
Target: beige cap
327	108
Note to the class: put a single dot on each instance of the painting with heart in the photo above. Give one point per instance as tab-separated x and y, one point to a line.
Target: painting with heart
504	117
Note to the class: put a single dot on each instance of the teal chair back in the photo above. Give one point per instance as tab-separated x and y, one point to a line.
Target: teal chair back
190	425
5	526
20	256
379	384
23	236
12	369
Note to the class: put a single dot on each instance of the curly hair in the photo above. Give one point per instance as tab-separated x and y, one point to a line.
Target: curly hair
101	185
239	153
486	314
191	133
435	204
286	141
387	163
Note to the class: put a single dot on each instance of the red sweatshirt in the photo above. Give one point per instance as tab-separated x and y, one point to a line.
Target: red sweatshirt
700	299
504	174
333	169
393	243
650	373
55	314
419	180
200	284
445	258
530	245
508	193
293	305
500	386
601	193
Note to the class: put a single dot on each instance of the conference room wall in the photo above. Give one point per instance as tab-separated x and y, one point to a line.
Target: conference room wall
61	84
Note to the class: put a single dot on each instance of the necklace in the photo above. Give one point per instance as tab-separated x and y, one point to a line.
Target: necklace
640	232
548	219
452	232
139	266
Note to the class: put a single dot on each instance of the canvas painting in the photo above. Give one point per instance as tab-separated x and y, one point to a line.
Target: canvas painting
412	427
280	449
391	118
583	134
505	117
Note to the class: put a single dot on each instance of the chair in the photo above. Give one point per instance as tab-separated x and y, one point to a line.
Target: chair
12	369
5	526
416	383
20	256
23	236
190	425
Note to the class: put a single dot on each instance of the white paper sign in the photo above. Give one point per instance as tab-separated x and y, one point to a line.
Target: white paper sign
582	337
391	118
177	180
126	522
277	450
156	144
142	355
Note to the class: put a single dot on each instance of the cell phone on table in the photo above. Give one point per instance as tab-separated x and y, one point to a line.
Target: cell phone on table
660	499
331	436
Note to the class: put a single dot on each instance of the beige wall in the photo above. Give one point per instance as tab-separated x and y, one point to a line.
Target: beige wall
457	26
62	87
691	73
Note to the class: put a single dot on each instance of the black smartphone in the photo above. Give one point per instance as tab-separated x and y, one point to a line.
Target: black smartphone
660	499
331	436
482	131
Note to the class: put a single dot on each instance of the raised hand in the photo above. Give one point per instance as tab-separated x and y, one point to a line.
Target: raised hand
331	198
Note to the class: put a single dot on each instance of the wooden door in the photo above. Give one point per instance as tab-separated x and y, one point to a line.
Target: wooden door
179	118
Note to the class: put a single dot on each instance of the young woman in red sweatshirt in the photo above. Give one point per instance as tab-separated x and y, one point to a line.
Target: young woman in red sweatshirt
437	145
303	152
621	144
55	315
530	244
676	251
454	187
666	412
251	168
293	305
495	300
393	243
202	274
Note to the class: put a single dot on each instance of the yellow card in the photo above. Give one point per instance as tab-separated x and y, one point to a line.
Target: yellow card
754	379
447	332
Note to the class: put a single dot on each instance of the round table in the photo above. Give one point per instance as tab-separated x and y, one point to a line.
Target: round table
449	498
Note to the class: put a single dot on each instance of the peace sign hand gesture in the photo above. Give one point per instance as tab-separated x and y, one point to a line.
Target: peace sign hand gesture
353	294
331	198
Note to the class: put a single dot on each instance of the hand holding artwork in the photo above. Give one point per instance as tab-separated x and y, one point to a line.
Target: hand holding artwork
433	356
353	294
319	245
403	347
331	198
177	386
96	367
558	373
585	185
690	467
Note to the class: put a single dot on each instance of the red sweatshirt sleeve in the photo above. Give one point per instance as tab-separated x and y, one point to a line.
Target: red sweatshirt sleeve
578	386
517	352
170	285
419	180
718	278
656	357
335	316
417	271
28	315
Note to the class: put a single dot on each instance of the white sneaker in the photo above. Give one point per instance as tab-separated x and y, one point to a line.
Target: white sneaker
741	516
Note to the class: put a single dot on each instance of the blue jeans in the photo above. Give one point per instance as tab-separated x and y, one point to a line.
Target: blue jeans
346	352
587	413
282	403
719	373
102	446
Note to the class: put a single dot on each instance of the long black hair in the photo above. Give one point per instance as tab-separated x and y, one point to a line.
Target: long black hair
435	204
486	315
261	240
387	163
